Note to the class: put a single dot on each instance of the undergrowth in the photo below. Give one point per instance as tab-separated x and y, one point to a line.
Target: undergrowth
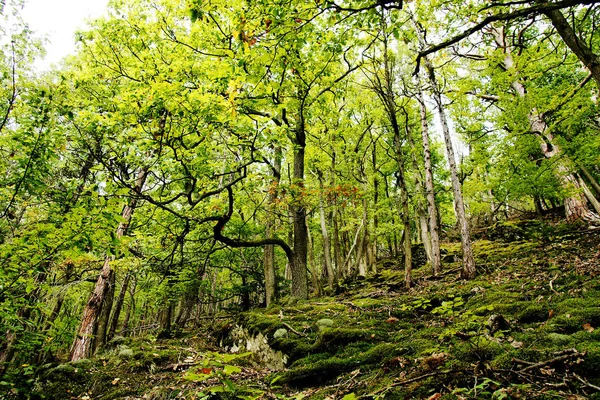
525	327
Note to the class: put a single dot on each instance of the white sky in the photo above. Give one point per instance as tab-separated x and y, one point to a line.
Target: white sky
58	20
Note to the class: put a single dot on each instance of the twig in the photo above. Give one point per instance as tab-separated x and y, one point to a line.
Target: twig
214	317
411	380
580	379
516	360
448	272
294	331
551	361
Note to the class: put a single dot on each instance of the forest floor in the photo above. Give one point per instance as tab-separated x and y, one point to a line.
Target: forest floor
527	327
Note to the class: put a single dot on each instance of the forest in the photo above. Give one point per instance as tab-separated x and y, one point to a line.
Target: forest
400	197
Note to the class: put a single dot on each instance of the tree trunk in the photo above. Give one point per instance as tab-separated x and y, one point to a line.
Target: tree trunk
347	267
317	287
539	210
404	216
422	225
331	278
130	307
119	305
386	94
337	250
374	254
164	320
269	256
589	195
575	43
300	253
83	343
434	230
468	270
590	179
104	318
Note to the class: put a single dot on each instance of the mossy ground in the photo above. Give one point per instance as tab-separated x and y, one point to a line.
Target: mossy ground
389	342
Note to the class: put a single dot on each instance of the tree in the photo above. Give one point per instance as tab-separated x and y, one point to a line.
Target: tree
468	270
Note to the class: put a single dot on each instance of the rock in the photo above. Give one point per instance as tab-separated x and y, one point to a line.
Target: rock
258	345
516	345
280	333
324	323
496	322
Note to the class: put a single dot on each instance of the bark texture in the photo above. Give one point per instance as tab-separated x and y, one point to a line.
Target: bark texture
269	256
468	269
83	343
575	43
434	230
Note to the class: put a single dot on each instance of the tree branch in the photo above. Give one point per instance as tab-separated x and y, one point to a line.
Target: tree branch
238	243
523	12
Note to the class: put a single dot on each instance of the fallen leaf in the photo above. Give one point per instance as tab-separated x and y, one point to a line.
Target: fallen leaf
115	381
588	328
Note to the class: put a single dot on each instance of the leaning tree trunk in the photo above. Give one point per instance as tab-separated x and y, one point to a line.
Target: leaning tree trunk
130	307
119	306
468	270
589	195
590	179
83	343
421	197
434	230
575	205
577	45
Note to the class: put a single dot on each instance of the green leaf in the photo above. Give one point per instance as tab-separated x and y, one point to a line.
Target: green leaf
231	369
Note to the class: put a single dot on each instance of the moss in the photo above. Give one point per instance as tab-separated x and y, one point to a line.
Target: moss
260	323
331	338
319	372
559	338
591	363
293	347
382	353
476	350
575	320
533	313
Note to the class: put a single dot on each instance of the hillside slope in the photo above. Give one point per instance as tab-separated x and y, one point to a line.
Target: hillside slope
526	327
